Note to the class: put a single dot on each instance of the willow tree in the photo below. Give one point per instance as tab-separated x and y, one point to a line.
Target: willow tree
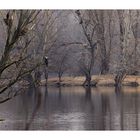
18	24
126	44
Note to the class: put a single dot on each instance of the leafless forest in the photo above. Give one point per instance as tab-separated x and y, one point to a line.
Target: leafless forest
38	44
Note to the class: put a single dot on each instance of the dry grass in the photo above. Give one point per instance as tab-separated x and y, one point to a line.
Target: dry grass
102	80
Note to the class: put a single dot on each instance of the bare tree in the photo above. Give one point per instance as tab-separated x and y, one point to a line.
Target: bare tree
46	34
135	29
18	24
59	61
84	66
104	19
89	27
126	51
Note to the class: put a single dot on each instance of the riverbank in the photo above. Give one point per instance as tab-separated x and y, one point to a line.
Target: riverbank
100	80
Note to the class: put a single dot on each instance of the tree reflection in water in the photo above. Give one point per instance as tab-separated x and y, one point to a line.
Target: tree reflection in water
37	103
72	108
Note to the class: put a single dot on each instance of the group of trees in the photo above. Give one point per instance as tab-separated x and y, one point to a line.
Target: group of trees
27	35
102	29
76	42
14	59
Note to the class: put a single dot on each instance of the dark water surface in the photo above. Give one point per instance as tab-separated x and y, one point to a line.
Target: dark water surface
72	108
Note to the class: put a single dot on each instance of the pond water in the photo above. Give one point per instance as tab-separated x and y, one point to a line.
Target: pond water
72	108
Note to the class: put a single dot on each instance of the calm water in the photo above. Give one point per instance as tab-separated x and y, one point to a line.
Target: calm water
72	108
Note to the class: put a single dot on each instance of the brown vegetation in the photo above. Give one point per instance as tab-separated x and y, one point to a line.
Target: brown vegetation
98	80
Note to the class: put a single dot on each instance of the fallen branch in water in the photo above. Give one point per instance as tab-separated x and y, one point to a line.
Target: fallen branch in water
9	98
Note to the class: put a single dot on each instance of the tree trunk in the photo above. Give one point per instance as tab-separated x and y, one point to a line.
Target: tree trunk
46	74
104	66
37	77
4	60
30	79
59	79
119	79
87	82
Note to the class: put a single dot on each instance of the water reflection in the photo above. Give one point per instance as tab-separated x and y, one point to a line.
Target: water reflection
72	108
36	106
